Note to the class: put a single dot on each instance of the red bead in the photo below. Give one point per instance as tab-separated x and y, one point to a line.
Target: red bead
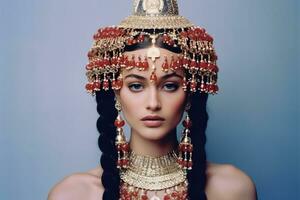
114	61
185	163
132	62
179	63
193	64
119	84
97	85
153	77
89	86
167	197
174	194
119	147
141	38
89	67
185	62
165	66
187	123
193	86
119	123
184	34
203	87
105	84
129	41
203	65
190	148
145	64
125	147
119	163
173	65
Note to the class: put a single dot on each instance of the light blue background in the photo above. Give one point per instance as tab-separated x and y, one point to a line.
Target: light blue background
48	122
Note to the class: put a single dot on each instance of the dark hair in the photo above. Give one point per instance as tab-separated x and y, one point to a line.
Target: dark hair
105	125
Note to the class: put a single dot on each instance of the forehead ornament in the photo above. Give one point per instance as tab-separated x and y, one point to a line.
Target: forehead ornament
153	20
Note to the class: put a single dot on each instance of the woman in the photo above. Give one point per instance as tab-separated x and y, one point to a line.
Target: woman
153	68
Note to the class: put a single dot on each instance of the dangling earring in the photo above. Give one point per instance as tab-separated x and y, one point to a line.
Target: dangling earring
185	146
120	142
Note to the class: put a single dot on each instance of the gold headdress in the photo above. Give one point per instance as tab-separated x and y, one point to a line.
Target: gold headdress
153	19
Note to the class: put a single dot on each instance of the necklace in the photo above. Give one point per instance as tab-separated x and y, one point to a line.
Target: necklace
147	178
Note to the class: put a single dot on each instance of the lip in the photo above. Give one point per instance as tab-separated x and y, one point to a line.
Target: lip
152	118
153	121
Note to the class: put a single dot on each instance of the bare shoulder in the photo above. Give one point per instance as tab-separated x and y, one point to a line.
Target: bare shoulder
79	186
226	181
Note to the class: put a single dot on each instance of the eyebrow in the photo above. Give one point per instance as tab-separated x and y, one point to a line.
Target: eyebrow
163	77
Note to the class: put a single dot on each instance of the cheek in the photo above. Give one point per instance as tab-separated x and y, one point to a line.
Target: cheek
129	103
175	107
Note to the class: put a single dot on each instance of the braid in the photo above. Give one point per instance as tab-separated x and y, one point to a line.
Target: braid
105	125
199	118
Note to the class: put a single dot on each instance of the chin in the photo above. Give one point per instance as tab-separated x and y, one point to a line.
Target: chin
154	133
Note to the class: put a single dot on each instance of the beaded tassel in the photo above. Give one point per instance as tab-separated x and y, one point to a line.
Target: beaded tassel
121	143
185	146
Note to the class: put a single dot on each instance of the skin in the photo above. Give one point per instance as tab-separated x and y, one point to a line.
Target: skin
151	98
166	99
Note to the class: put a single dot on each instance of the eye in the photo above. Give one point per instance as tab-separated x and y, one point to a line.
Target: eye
171	87
135	87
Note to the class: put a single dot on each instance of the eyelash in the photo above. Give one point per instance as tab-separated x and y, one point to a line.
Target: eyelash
133	88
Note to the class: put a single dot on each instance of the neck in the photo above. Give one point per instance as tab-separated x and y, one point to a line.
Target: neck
155	148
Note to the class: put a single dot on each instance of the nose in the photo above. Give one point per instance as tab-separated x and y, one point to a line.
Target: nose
153	101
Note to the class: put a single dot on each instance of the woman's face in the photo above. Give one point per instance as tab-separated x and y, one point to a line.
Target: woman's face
142	98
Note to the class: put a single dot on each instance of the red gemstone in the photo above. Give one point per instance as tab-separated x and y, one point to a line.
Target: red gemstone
179	63
193	86
89	67
187	123
167	197
173	65
125	147
145	64
129	41
114	84
141	38
183	34
132	62
89	86
203	65
119	162
119	147
165	66
190	148
119	83
105	85
174	194
185	62
193	64
119	123
153	77
97	85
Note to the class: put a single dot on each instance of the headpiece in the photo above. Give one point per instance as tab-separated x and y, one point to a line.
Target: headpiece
153	20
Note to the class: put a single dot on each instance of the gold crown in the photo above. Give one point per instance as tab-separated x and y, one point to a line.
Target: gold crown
155	14
153	19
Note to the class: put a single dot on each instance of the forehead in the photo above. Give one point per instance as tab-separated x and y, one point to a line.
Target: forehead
142	53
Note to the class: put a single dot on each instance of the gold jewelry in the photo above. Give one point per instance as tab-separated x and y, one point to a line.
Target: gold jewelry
185	147
154	19
147	173
121	143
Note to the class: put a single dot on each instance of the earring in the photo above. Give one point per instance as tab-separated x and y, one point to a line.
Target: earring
120	142
185	146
